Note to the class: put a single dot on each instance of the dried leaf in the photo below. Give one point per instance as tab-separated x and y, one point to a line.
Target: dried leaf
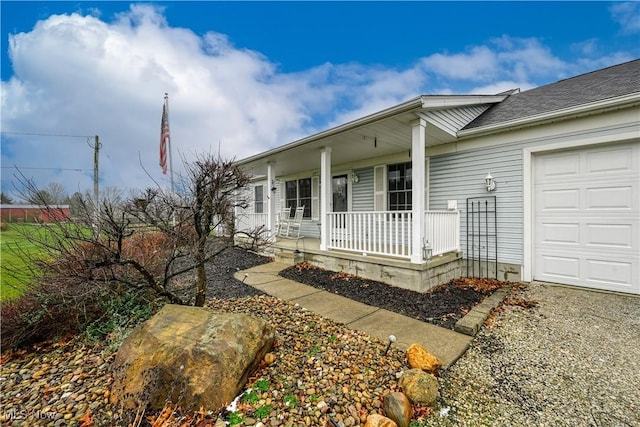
86	419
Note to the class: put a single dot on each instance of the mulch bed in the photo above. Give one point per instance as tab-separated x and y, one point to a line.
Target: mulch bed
444	305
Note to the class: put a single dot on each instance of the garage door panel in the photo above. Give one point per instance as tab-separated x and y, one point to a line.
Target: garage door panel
556	233
553	267
587	217
613	160
560	199
558	167
609	198
610	235
608	271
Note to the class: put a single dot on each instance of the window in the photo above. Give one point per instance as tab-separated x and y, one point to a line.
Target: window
399	186
298	193
258	205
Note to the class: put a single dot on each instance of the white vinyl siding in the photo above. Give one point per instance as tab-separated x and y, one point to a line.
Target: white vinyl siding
461	175
453	119
363	190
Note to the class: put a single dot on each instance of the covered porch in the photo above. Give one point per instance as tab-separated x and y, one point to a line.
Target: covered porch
365	191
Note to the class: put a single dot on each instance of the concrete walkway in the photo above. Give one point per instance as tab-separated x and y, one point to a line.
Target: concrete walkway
447	345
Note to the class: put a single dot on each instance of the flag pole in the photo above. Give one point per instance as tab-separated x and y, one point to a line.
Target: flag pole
166	106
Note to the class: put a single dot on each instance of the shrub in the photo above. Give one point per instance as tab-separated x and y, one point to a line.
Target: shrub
4	226
47	311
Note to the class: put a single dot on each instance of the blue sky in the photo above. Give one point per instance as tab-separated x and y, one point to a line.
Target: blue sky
248	76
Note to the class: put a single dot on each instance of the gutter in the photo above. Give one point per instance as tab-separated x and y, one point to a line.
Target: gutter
630	100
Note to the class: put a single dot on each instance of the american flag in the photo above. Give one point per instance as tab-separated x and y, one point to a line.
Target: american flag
164	139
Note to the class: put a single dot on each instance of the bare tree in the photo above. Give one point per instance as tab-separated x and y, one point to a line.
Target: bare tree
143	241
215	186
56	192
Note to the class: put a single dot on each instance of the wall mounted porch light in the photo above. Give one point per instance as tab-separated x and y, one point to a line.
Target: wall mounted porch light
489	182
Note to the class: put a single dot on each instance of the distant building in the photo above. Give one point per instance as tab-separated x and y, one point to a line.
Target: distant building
34	213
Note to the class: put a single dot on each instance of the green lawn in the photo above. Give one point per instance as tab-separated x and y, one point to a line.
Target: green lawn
11	287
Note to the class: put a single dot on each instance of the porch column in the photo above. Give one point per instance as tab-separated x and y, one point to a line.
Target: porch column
325	196
271	197
418	177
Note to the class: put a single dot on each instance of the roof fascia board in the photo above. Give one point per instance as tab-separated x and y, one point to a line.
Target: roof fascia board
436	102
580	110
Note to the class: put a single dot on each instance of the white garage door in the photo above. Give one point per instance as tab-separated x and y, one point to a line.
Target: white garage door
587	217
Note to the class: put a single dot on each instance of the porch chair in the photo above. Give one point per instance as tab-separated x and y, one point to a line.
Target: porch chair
296	222
284	219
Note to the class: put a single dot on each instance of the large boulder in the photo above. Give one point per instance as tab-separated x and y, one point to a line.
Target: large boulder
191	356
421	388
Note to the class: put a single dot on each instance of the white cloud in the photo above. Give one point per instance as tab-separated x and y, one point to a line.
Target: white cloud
627	14
80	75
480	64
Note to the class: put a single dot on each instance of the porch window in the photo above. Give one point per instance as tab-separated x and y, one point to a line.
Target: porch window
399	186
258	199
298	193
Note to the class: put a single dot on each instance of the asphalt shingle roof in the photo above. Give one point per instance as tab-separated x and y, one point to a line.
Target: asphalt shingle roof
599	85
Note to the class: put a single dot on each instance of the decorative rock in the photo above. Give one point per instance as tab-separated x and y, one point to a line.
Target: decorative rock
397	407
191	356
376	420
421	388
269	358
420	358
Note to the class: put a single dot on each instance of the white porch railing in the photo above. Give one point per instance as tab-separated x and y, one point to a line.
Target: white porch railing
442	230
386	233
250	221
389	233
380	233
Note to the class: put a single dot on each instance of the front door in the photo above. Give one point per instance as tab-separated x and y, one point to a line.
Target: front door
340	199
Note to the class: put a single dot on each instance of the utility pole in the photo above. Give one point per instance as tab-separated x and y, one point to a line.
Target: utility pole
96	192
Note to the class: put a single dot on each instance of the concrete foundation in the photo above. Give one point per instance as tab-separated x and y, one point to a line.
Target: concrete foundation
506	272
392	271
400	273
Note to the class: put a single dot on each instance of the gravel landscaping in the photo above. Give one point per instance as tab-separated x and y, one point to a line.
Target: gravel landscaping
573	359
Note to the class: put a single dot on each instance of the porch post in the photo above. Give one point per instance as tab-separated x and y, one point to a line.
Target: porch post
418	182
271	197
325	196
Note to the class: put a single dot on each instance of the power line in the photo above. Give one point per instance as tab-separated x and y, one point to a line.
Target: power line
48	134
51	169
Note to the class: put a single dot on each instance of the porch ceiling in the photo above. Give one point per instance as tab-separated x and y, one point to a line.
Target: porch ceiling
383	138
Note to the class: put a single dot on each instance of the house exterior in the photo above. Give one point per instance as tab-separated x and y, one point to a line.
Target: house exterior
34	213
540	185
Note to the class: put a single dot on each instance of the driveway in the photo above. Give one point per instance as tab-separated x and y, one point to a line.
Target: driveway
574	360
